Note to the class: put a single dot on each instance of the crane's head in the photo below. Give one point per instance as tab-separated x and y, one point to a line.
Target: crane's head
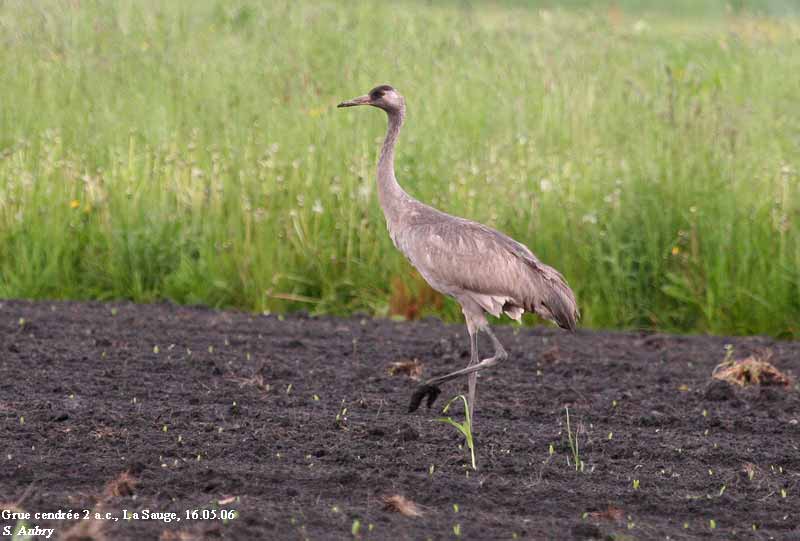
384	97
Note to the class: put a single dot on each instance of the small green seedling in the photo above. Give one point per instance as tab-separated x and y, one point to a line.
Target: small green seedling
341	417
465	428
573	445
729	351
18	533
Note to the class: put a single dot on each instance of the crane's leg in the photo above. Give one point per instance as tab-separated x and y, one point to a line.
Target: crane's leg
473	360
500	354
430	388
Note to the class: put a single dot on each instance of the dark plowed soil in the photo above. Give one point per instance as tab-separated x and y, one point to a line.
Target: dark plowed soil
212	411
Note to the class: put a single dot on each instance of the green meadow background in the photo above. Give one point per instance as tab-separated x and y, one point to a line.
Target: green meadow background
192	151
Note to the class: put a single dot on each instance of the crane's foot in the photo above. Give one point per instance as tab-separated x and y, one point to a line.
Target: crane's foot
432	392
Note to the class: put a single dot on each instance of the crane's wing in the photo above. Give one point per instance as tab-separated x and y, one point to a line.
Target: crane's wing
464	258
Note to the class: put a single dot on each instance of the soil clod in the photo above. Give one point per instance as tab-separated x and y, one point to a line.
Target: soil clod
407	433
719	391
586	531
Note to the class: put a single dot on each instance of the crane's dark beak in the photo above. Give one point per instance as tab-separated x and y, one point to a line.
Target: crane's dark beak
361	100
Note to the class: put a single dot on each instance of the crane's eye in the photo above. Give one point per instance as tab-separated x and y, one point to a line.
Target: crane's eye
377	95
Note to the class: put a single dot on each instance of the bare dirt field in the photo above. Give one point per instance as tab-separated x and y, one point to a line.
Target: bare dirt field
120	408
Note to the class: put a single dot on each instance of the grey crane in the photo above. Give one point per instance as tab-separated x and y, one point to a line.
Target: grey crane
484	270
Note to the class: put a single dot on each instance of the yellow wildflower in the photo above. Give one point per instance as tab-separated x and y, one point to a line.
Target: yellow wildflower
74	204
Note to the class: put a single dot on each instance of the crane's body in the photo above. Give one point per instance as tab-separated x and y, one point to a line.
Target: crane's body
484	270
481	267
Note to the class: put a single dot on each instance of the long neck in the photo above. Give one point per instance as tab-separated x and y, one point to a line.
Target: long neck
390	193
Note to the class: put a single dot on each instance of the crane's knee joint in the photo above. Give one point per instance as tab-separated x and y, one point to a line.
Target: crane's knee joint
498	357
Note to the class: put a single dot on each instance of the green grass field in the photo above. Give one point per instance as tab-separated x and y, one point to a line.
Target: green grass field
193	151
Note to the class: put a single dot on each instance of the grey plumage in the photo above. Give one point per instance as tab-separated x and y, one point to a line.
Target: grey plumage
483	269
468	260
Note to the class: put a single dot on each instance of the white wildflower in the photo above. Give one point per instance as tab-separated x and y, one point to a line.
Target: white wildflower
640	26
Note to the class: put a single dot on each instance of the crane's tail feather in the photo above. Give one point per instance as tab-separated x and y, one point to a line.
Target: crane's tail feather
553	299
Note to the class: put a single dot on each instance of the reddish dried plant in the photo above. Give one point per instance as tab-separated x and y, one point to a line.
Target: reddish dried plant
411	301
408	367
400	504
753	370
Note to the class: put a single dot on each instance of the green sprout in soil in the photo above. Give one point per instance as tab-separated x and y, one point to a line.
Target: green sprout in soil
18	532
465	428
573	445
341	417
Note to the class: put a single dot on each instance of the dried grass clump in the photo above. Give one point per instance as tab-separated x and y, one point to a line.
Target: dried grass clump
552	355
180	535
122	485
197	533
401	504
177	535
614	514
411	302
85	530
256	380
11	507
750	470
754	370
411	368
